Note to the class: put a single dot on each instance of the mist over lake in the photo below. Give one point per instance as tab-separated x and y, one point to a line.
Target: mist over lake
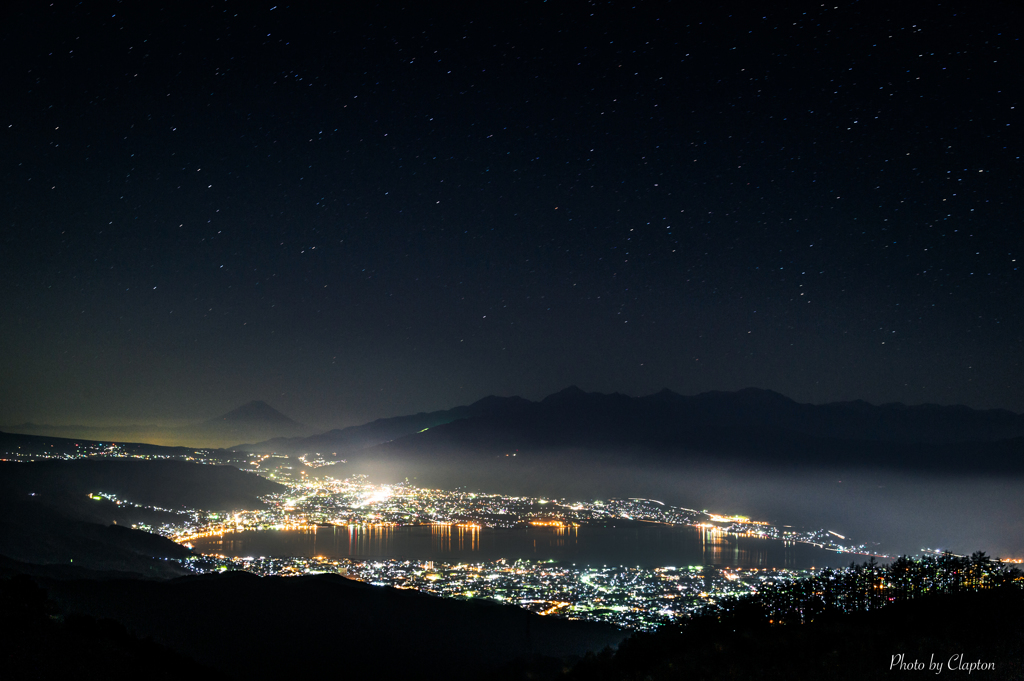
900	511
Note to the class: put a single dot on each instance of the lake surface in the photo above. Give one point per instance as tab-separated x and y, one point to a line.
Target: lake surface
651	546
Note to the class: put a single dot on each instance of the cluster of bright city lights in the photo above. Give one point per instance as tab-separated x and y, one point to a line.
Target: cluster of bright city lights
635	598
632	597
320	501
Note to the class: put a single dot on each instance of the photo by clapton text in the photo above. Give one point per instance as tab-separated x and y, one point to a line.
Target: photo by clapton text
955	662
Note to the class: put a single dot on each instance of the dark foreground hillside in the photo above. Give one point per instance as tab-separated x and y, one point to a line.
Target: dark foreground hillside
238	626
38	642
246	626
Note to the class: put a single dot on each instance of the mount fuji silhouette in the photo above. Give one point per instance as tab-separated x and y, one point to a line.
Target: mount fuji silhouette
256	412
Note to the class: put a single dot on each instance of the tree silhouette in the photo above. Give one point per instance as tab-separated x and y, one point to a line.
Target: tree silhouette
870	586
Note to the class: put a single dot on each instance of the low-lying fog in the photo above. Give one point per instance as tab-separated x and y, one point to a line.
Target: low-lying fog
902	512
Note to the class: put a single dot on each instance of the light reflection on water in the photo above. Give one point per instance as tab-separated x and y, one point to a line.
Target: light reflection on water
643	546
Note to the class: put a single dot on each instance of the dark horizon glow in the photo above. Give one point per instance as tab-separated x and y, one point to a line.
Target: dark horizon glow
361	213
164	432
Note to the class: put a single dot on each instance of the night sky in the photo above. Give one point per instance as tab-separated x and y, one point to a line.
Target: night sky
362	212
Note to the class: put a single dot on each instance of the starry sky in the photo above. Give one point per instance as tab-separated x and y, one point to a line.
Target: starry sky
362	211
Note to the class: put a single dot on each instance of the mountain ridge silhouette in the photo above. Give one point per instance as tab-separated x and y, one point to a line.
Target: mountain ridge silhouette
746	418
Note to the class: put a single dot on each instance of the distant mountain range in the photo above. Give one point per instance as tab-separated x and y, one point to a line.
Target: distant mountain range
254	420
748	424
355	438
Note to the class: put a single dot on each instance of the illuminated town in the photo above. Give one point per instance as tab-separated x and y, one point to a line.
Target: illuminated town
637	597
314	499
634	598
357	501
